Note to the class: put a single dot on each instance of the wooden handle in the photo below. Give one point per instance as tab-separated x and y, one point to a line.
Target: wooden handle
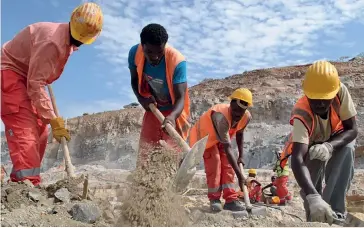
171	131
67	158
245	189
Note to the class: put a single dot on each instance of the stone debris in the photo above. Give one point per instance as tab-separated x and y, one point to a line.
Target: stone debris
63	195
85	212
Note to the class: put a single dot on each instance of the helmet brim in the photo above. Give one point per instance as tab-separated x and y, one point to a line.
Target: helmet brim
322	96
233	98
77	37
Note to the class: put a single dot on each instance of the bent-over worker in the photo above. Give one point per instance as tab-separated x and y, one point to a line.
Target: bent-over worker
158	75
254	186
34	58
281	181
221	123
322	143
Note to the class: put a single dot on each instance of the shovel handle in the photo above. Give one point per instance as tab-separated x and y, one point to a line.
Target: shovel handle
245	189
170	129
67	158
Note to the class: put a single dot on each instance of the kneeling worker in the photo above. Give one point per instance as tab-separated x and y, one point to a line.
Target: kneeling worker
322	143
221	123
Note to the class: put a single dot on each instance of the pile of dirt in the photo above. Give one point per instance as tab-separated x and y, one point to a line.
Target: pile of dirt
59	204
149	199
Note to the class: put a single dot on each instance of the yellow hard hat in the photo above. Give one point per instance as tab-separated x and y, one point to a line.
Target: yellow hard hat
86	22
321	81
252	171
243	94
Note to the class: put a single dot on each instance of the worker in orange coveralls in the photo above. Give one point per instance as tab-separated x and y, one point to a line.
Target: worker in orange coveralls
34	58
221	123
159	76
254	187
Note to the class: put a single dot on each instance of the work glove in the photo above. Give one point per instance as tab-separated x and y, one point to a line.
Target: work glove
320	211
59	130
144	102
321	152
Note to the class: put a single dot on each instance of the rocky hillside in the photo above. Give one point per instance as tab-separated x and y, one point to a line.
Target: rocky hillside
111	138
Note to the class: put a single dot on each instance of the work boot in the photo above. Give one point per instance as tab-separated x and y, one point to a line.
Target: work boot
234	206
215	205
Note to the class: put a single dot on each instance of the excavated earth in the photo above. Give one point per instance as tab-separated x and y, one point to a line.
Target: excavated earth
104	146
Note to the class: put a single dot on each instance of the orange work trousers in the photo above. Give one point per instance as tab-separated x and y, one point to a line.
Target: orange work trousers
219	174
150	135
255	194
282	189
26	134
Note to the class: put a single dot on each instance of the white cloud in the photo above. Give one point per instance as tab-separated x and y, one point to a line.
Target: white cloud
220	38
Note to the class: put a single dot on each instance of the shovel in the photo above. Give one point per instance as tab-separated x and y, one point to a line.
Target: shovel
192	156
256	210
248	205
67	159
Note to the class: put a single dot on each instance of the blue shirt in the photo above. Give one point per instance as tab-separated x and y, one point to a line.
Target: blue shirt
158	78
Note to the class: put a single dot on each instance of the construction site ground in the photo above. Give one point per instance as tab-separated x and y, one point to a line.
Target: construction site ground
24	205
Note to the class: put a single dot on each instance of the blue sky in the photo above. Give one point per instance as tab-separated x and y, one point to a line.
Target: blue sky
218	38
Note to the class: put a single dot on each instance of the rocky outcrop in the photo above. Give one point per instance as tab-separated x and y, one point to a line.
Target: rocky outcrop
111	138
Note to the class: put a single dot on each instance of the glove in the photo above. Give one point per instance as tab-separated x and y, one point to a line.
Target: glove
320	211
321	152
59	130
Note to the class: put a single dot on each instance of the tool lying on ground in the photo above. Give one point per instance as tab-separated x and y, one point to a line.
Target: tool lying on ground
191	156
254	210
67	159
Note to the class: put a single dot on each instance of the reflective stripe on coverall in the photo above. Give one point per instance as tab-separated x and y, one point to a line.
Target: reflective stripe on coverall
33	58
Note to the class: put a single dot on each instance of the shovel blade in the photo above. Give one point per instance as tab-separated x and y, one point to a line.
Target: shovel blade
188	169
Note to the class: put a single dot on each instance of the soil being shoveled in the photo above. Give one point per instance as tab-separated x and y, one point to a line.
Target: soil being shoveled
149	200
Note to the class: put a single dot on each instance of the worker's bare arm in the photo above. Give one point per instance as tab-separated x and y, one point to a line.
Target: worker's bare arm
179	93
240	143
349	134
134	82
300	169
268	186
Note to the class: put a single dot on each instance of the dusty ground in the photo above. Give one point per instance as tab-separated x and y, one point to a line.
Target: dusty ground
24	205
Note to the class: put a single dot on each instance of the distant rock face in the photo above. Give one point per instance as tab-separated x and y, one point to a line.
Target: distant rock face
111	138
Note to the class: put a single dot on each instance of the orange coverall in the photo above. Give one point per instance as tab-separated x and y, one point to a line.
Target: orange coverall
34	58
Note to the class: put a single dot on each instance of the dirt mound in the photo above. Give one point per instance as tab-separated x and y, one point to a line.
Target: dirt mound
149	200
58	204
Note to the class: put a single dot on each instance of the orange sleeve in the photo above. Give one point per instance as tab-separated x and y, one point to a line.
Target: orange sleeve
42	65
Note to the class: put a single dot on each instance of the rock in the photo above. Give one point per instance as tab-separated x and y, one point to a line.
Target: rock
28	183
34	194
240	214
85	212
347	82
108	216
63	195
46	201
9	190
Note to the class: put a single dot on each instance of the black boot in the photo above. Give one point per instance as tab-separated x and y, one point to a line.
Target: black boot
215	205
234	206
